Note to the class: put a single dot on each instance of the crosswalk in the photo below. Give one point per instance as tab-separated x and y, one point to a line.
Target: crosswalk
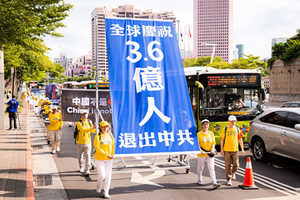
261	179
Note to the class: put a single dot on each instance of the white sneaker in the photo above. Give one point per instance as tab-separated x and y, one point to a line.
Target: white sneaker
81	170
58	149
233	176
53	152
229	183
106	195
199	183
98	189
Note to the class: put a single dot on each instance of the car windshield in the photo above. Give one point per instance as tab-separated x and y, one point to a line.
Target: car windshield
291	105
224	101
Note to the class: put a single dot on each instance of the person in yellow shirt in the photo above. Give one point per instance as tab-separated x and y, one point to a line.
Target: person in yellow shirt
105	149
207	143
83	142
54	129
230	141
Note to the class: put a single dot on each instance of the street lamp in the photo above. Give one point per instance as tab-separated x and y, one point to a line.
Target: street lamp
213	52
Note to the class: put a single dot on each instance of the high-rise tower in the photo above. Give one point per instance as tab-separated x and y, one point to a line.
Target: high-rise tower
213	24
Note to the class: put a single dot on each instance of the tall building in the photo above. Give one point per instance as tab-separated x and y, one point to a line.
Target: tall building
64	61
241	50
98	26
213	24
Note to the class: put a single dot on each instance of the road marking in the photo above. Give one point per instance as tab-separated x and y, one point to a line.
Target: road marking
263	180
138	178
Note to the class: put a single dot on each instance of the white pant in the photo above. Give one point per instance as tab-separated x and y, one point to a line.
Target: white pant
104	169
210	162
85	151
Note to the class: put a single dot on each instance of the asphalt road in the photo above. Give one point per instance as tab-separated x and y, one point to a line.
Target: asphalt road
280	177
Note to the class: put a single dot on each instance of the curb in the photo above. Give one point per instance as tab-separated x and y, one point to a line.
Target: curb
29	162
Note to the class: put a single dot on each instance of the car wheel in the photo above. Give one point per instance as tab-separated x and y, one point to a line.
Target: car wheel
258	149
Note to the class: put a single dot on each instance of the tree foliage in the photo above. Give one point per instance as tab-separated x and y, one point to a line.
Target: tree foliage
286	51
249	62
23	19
30	61
23	24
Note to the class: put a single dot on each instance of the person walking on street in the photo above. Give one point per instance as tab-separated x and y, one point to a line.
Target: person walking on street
83	142
230	140
207	143
13	105
105	149
54	129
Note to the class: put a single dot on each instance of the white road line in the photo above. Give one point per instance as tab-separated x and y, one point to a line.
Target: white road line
256	174
273	188
260	180
267	178
263	180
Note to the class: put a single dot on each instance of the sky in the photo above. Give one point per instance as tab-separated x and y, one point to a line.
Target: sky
256	22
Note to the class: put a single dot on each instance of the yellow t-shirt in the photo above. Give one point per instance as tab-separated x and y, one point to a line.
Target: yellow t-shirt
40	103
206	141
55	124
47	109
84	136
104	147
231	142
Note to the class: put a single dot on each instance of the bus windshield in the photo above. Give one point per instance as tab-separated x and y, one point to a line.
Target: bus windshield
227	101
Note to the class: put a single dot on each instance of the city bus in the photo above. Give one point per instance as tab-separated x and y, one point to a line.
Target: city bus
92	85
71	84
218	93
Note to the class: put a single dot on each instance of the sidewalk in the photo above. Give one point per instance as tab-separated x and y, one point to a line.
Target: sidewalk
27	169
16	178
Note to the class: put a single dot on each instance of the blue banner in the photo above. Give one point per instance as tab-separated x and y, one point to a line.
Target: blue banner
151	107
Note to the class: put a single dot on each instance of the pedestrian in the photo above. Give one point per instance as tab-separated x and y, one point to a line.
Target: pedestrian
54	129
83	142
105	149
13	105
230	140
207	143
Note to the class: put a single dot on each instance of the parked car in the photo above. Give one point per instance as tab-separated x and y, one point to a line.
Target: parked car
276	131
292	104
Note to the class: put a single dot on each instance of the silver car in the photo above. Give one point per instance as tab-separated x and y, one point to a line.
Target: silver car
276	131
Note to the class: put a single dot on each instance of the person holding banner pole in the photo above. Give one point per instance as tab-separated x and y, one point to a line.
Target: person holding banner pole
83	142
207	143
105	149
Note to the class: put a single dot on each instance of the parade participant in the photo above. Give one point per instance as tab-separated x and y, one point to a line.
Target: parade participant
83	142
47	109
104	146
230	141
54	129
207	143
13	105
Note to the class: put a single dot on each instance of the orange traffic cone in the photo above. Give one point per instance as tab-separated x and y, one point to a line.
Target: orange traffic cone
248	179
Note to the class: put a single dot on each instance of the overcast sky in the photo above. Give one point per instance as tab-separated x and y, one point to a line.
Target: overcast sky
256	22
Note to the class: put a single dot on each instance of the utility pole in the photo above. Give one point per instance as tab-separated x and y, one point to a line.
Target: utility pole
213	51
1	90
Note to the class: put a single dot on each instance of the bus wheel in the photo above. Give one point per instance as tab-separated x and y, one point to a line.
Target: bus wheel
258	149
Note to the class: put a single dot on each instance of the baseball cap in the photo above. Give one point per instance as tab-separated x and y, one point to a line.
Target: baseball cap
104	123
205	120
54	107
232	118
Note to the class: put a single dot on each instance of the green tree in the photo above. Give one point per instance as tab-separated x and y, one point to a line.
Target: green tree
30	61
286	51
23	24
23	19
